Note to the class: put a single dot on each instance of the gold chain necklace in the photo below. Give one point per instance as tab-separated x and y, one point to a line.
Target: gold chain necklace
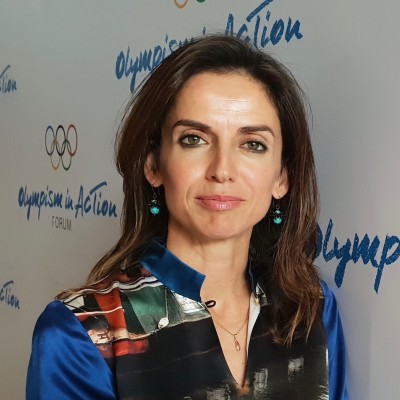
234	335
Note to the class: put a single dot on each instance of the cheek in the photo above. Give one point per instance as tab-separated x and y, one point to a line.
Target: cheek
180	170
177	181
262	186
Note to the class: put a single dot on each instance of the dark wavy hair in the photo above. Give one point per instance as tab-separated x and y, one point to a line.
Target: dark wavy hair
282	256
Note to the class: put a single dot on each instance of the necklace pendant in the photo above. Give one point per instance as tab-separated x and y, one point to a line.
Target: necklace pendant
237	344
164	322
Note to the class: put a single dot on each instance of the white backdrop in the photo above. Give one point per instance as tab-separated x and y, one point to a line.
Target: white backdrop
70	66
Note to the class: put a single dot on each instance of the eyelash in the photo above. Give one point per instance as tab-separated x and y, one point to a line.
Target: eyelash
188	137
261	147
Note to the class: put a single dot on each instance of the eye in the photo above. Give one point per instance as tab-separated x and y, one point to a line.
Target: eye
255	146
192	140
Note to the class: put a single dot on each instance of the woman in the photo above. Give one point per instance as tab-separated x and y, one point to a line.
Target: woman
210	293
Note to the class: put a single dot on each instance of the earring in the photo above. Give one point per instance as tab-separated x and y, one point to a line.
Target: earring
154	205
277	214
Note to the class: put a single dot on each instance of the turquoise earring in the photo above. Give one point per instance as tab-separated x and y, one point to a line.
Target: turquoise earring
277	214
154	205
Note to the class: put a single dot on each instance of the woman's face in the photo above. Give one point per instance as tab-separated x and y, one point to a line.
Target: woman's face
220	158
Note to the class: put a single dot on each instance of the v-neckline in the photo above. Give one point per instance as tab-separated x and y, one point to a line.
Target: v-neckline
254	311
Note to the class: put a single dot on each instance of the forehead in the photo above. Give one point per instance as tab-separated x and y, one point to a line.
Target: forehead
233	94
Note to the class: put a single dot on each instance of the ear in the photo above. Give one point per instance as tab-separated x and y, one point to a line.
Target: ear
151	171
282	185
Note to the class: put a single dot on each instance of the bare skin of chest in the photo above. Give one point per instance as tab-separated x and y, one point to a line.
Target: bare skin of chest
235	359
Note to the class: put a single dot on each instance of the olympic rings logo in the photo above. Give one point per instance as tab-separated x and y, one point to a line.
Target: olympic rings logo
182	3
61	146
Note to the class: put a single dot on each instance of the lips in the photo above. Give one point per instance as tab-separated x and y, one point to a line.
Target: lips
219	202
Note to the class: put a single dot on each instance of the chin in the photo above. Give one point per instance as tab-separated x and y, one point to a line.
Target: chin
226	233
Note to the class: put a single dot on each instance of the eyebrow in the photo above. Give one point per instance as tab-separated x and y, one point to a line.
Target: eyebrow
257	128
192	124
206	128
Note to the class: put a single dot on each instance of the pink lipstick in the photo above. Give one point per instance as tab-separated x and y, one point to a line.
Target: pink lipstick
219	202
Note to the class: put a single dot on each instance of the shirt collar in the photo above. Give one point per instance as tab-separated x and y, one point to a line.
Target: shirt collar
175	274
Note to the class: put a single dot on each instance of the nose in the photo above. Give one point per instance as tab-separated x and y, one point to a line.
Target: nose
222	166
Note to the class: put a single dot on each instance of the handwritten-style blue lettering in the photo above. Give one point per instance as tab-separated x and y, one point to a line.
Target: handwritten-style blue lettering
92	202
257	28
8	297
7	84
354	250
146	61
259	36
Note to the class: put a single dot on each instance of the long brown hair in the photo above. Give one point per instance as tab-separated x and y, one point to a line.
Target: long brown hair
282	256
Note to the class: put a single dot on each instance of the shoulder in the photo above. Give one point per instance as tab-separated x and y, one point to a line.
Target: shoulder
57	328
54	309
325	288
58	324
63	352
55	313
327	291
330	315
109	296
336	345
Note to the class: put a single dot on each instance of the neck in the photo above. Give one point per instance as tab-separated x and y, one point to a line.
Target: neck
223	262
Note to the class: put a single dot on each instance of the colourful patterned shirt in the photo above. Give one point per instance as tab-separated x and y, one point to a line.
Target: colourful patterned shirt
147	335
